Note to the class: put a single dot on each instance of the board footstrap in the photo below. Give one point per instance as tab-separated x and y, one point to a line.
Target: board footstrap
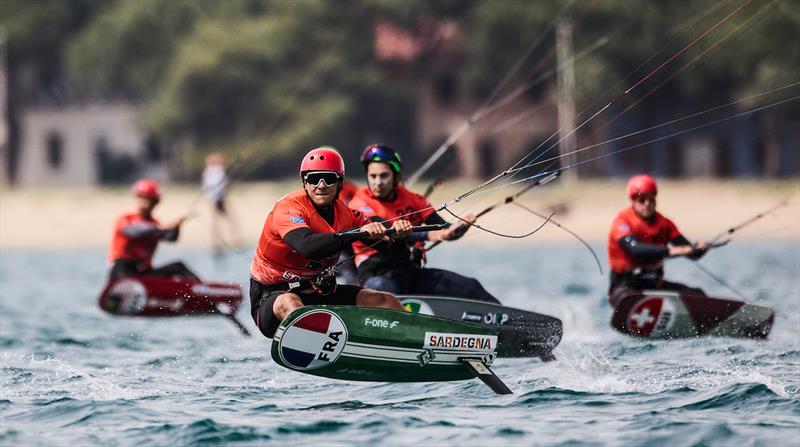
478	368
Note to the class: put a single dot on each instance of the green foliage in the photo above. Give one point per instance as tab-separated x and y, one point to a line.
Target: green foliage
272	76
38	31
275	81
125	51
499	33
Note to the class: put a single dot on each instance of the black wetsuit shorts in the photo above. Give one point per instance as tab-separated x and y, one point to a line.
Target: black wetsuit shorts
262	298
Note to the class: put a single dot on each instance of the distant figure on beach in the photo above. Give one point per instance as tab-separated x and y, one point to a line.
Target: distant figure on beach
137	234
639	241
215	185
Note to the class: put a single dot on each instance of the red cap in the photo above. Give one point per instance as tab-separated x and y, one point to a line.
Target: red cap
323	159
641	185
147	188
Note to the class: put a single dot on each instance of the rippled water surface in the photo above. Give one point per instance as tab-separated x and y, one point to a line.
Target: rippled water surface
70	374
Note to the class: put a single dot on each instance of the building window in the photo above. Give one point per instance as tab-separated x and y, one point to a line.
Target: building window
54	147
445	88
113	167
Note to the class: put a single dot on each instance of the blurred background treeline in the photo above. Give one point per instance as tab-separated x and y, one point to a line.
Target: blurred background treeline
104	91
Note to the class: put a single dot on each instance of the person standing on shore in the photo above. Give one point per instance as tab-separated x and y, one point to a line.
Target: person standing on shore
215	187
137	234
299	246
639	241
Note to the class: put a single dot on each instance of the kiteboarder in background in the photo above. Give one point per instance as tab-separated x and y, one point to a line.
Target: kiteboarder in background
299	245
396	267
137	234
215	186
639	241
349	190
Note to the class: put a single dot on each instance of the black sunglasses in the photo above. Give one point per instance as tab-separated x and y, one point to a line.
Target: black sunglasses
645	198
327	177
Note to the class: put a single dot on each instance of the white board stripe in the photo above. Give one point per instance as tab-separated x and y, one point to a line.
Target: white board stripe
379	352
396	360
304	340
418	350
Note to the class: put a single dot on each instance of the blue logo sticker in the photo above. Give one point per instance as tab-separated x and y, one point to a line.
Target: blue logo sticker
624	227
367	209
297	220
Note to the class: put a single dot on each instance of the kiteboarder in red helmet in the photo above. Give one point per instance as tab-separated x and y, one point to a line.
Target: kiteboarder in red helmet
391	266
137	234
641	238
299	246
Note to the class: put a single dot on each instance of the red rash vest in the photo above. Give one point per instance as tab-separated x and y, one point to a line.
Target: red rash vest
658	231
275	261
404	204
138	249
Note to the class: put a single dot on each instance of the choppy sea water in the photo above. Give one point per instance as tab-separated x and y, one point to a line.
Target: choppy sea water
72	375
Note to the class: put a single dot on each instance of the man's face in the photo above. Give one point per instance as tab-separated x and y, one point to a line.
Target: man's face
644	205
146	205
323	193
380	179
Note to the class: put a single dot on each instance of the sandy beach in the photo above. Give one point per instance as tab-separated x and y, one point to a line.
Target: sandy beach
59	218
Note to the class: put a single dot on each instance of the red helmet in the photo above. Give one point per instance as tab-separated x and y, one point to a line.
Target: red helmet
640	185
147	188
323	158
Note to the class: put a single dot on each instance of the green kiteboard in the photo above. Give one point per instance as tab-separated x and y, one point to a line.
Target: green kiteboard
383	345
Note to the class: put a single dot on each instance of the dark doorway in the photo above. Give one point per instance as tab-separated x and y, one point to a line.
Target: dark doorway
54	145
445	88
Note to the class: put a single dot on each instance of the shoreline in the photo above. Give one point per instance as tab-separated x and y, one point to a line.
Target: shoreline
83	217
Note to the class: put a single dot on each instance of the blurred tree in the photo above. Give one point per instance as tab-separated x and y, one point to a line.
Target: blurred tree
642	35
252	76
264	77
747	54
126	50
36	33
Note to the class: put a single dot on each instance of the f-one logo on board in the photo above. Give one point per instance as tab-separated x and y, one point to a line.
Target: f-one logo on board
443	340
377	322
313	340
652	316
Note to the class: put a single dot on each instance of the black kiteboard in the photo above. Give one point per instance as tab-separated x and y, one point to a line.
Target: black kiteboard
521	333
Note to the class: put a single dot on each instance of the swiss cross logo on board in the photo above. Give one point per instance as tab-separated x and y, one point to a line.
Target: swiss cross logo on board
651	316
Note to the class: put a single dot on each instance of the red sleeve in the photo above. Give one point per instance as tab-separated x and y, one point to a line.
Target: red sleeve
620	228
674	233
120	223
288	216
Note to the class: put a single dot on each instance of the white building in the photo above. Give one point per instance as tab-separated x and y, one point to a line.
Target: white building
84	145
